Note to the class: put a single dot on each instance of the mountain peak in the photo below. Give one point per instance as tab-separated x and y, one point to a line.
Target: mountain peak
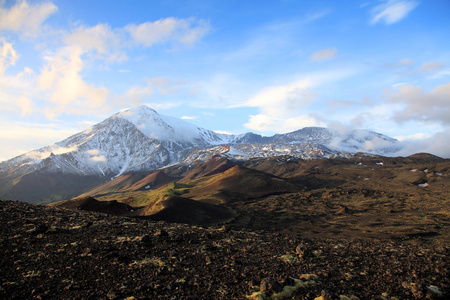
139	114
140	110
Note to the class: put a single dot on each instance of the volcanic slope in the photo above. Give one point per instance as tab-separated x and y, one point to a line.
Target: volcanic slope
215	165
131	183
402	198
130	188
92	204
236	184
183	210
202	201
386	198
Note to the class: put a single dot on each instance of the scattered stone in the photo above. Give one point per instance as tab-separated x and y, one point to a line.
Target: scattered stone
269	286
161	233
303	251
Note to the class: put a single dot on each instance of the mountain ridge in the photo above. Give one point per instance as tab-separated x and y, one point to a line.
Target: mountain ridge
141	139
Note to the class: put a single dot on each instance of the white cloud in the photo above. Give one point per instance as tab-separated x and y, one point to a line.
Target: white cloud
25	18
99	39
416	136
66	91
158	86
183	31
164	85
26	105
134	97
95	155
222	132
324	54
164	105
100	158
8	57
437	144
290	99
189	117
284	100
405	62
335	104
392	11
433	106
20	138
284	107
432	66
263	122
60	88
53	149
15	90
441	74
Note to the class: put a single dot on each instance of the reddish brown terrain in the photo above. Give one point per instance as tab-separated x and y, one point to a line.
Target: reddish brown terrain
367	228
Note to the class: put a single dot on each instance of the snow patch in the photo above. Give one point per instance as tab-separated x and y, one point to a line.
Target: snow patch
235	152
100	158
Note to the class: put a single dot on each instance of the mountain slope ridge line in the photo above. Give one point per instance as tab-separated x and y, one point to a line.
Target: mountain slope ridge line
140	140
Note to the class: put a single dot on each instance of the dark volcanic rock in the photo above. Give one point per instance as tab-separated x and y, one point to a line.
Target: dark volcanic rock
50	253
269	286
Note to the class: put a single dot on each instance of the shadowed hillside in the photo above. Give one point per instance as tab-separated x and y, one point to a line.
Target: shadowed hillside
236	184
183	210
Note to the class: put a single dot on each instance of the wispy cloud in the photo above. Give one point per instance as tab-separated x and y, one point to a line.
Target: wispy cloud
437	144
405	62
263	122
30	136
24	18
8	57
59	86
65	89
392	11
285	107
432	66
183	31
100	41
324	54
189	117
422	106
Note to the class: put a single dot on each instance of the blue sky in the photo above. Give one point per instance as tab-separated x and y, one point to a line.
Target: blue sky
229	66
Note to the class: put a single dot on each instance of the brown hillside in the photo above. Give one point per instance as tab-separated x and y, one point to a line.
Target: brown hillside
182	210
213	166
36	187
238	183
151	181
118	184
92	204
130	183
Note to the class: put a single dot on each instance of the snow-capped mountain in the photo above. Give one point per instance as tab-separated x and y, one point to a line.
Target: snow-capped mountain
142	140
133	140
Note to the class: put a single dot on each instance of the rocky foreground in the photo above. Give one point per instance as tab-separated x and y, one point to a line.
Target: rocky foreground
55	253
